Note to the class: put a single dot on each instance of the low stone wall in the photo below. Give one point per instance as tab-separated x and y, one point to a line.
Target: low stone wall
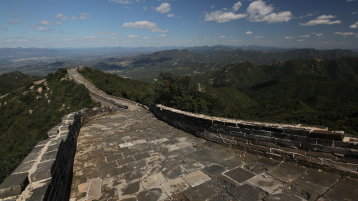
46	172
308	145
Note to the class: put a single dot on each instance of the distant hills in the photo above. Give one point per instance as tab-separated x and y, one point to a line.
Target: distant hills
75	52
146	63
201	59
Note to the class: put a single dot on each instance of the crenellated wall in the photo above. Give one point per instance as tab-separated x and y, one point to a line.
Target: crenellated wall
308	145
46	172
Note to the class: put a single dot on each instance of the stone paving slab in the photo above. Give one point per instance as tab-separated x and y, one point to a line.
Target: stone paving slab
136	157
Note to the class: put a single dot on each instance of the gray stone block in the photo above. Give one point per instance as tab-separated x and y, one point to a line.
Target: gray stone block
43	171
343	191
33	154
239	175
49	155
14	185
247	193
38	194
24	167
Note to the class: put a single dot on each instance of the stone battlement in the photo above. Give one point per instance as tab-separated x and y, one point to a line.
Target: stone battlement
46	172
308	145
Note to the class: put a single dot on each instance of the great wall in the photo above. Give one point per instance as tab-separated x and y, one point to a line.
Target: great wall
126	151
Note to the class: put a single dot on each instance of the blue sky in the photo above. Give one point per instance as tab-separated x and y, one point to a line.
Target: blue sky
132	23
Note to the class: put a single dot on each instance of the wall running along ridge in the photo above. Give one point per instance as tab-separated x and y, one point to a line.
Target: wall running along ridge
308	145
46	172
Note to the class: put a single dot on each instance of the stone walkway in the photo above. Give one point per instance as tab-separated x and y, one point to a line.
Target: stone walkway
132	156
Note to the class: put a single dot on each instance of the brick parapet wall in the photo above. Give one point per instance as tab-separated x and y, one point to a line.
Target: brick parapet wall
46	172
308	145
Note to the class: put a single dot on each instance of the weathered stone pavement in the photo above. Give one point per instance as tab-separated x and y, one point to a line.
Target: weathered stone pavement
132	156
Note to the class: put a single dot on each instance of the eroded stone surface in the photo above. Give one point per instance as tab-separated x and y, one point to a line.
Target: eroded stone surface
138	157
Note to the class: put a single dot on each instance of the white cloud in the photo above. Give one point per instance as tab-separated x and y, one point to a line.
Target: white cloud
144	25
354	26
258	11
288	37
345	33
45	23
318	34
173	16
61	16
123	1
237	6
221	16
104	33
305	36
305	16
74	18
40	28
163	8
323	19
16	21
259	37
90	37
132	36
145	38
248	32
85	16
350	0
222	36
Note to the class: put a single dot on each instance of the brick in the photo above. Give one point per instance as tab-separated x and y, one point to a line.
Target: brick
261	132
320	155
13	185
238	134
280	135
308	146
345	167
242	130
325	135
300	132
298	138
282	152
240	139
324	142
259	148
264	139
274	129
345	144
230	124
288	143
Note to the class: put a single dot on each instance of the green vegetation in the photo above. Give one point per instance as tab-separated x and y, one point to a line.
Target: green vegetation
13	80
27	114
120	87
308	91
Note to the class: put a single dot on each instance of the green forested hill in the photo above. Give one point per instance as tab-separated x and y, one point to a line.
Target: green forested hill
297	91
121	87
309	91
13	80
26	115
